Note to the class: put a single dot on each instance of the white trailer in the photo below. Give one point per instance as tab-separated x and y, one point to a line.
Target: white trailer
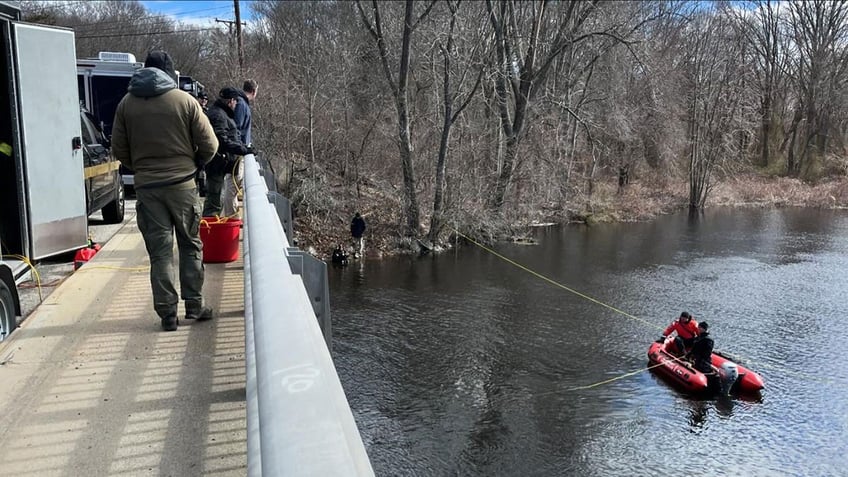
42	196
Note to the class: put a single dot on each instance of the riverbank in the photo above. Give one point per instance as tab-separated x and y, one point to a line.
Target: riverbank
639	201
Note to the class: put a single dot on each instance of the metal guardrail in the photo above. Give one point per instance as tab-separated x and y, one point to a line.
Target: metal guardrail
299	422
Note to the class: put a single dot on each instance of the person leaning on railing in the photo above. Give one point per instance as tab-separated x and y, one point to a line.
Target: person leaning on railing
230	145
242	116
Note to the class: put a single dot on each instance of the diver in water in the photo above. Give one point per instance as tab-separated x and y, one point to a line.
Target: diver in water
339	256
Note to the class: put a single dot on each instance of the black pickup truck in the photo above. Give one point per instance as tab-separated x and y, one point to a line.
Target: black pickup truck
104	188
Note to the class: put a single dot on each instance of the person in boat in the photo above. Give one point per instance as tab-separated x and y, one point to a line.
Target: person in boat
687	330
702	349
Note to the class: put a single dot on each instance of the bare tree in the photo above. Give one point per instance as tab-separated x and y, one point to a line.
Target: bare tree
449	97
399	89
714	99
762	29
529	37
820	30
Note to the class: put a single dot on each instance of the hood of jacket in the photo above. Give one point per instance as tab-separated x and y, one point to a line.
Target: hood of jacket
220	104
149	82
244	96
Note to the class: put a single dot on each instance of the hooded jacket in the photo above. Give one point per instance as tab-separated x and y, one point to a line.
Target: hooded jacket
229	141
160	132
242	117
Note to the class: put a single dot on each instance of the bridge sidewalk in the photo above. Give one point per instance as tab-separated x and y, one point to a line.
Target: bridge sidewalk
92	386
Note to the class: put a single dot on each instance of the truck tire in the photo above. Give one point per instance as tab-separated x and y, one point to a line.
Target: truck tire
113	212
8	320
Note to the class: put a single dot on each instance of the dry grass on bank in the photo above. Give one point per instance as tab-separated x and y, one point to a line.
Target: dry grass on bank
641	201
780	192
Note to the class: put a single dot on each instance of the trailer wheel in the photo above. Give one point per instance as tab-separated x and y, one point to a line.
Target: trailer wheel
8	320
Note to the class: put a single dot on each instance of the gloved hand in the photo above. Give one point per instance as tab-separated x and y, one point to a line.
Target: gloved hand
661	339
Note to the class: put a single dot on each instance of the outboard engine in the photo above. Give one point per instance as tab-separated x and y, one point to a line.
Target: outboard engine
728	374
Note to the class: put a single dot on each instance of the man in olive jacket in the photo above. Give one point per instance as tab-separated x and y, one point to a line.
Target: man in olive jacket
162	134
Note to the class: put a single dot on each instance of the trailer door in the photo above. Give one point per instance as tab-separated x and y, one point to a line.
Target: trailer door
50	130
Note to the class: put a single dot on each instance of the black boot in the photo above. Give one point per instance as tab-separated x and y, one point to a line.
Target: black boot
170	323
202	313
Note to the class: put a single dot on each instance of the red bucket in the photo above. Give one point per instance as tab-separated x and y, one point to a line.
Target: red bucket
220	239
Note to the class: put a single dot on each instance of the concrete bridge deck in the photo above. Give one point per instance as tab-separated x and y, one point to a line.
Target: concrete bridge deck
91	386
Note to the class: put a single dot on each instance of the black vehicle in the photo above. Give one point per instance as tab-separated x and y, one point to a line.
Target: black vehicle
104	188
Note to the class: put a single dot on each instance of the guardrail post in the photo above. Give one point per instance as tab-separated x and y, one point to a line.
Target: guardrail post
267	173
314	275
283	207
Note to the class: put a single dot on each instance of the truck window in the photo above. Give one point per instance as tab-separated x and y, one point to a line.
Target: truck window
81	89
106	93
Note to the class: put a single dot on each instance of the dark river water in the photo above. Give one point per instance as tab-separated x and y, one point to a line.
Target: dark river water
465	364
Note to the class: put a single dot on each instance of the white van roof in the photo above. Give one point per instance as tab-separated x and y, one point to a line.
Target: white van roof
116	56
110	63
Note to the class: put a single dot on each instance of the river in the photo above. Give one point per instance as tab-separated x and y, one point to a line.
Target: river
463	364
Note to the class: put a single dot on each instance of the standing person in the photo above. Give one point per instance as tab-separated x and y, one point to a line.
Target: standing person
219	171
686	328
242	116
162	134
203	99
357	228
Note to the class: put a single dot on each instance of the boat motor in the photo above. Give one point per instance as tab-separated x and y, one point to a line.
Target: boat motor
728	374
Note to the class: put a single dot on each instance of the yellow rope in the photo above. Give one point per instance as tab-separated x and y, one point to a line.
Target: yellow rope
219	219
34	271
239	159
622	376
555	283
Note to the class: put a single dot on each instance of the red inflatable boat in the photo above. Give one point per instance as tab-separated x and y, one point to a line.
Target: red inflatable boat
730	375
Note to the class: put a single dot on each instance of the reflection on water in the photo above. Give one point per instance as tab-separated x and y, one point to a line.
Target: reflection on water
697	415
462	364
700	410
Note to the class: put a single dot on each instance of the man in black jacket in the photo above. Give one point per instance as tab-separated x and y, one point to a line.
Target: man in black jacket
230	145
357	228
702	349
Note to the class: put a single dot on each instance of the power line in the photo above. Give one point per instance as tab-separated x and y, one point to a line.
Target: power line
153	19
92	28
165	32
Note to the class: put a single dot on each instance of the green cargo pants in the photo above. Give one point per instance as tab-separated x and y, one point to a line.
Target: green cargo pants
161	212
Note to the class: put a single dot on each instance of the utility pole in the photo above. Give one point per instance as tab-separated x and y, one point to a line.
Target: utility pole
230	28
238	36
238	24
